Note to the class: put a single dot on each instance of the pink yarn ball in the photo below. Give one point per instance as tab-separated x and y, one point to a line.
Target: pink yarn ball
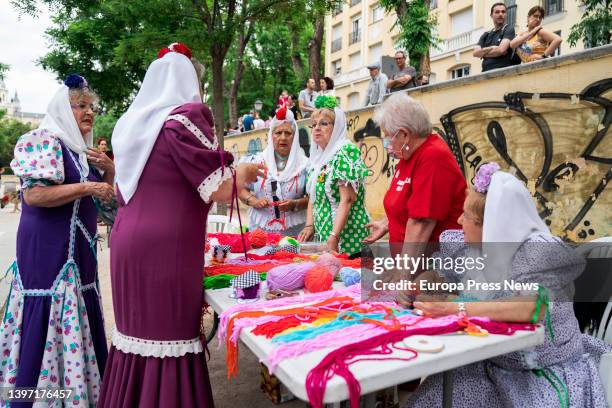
288	277
318	279
330	262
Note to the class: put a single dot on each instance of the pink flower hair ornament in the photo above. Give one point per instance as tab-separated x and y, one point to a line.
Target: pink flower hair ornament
484	175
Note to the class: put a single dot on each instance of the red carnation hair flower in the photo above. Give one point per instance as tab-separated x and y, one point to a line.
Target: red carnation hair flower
281	114
175	47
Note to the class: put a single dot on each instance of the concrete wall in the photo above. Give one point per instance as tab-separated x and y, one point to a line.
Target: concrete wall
548	120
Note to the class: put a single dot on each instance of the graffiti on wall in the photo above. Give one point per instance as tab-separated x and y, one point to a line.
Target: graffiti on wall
559	144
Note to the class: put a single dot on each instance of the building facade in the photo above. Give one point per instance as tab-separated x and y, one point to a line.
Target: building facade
12	106
359	32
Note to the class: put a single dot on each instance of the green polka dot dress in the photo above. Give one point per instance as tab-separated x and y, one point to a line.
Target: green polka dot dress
346	168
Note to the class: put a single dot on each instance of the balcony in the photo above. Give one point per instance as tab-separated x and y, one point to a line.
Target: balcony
456	43
355	37
336	45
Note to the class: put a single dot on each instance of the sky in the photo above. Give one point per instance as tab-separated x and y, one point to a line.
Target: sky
23	42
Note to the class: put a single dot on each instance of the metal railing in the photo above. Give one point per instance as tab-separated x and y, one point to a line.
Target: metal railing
336	44
354	37
457	42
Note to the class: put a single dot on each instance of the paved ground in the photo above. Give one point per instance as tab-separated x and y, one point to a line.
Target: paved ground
227	394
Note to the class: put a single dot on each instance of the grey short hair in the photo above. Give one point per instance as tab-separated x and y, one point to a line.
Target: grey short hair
75	94
276	123
401	111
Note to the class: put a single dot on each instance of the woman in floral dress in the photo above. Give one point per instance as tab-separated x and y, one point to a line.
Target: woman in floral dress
336	183
53	331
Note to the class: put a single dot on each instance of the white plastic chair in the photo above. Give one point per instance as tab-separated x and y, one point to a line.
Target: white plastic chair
604	332
222	223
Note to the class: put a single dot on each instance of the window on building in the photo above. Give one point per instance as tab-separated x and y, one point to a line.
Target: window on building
353	101
459	72
433	4
462	21
355	60
337	67
354	2
356	33
375	53
378	13
558	50
336	37
511	13
552	6
337	8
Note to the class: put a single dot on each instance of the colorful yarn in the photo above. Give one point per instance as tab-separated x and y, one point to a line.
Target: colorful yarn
271	329
258	238
330	262
338	361
222	281
236	244
350	276
289	241
228	269
288	277
318	279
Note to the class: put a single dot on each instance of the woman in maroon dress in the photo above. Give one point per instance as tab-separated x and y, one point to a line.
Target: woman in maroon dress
169	171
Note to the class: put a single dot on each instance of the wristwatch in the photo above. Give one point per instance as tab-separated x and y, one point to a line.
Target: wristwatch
295	206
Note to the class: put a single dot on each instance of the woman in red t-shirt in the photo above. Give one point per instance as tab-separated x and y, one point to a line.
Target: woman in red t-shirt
428	189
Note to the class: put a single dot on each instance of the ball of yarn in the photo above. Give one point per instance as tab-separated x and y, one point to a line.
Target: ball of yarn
330	262
235	243
350	276
289	241
318	279
288	277
258	238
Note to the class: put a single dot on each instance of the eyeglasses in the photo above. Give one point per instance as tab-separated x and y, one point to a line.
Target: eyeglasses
275	199
84	107
322	123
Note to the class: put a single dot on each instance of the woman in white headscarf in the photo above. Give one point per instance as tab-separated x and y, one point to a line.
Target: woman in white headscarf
336	182
169	171
53	330
277	202
501	219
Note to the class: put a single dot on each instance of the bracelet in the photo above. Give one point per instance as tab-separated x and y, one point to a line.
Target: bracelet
308	226
461	307
295	205
247	200
333	234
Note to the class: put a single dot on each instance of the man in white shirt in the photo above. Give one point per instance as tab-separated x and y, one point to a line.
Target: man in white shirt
377	87
307	99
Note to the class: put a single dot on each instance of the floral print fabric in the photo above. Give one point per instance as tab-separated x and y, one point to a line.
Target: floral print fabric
38	159
346	168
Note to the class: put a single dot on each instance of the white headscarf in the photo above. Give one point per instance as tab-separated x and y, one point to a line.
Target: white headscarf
170	81
320	157
297	160
59	120
510	216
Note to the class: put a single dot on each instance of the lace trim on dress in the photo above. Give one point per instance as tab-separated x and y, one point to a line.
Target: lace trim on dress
213	181
195	131
155	348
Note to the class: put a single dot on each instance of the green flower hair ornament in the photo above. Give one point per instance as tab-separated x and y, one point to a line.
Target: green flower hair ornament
325	101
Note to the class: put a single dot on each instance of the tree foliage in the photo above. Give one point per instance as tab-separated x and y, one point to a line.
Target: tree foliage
10	130
595	26
3	69
416	25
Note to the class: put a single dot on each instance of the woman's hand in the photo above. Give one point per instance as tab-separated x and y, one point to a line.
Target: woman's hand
103	191
306	234
247	173
287	205
332	243
259	202
377	230
100	160
437	309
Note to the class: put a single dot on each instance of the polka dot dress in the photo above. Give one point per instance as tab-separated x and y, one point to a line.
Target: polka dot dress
346	168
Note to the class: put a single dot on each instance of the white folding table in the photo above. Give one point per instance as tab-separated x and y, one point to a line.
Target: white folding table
459	350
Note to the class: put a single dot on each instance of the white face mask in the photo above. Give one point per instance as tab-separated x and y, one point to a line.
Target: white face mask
390	151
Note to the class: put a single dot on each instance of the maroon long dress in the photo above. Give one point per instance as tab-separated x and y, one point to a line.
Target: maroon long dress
156	359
